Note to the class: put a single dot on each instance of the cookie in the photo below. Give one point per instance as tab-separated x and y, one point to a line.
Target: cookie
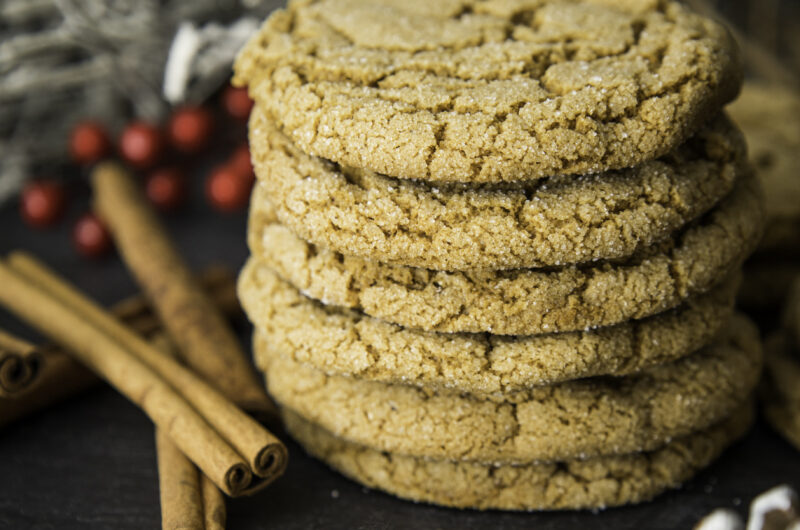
554	221
780	389
489	91
521	301
346	342
574	419
770	118
598	482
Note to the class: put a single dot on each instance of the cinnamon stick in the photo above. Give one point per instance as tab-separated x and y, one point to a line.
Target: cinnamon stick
58	376
179	487
188	498
265	454
19	363
111	361
213	504
204	340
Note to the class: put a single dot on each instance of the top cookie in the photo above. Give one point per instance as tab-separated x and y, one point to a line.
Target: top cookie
492	90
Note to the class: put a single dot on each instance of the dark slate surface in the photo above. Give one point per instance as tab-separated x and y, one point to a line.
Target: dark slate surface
89	462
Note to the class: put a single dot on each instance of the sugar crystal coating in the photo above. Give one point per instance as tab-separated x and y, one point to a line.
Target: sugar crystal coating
446	226
489	90
576	484
345	342
521	301
574	419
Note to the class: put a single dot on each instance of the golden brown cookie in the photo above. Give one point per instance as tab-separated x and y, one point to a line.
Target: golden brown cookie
346	342
489	91
555	221
574	419
522	301
770	118
598	482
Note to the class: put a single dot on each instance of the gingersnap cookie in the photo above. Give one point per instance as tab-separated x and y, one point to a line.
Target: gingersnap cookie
520	301
769	115
780	389
346	342
597	482
489	91
454	226
574	419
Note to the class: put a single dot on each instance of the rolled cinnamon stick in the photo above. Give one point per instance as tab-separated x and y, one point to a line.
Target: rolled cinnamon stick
204	340
179	488
59	376
217	282
19	364
213	505
188	498
114	363
266	455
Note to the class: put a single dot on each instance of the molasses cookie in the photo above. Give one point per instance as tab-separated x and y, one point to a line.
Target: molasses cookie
346	342
453	226
520	301
597	482
489	91
574	419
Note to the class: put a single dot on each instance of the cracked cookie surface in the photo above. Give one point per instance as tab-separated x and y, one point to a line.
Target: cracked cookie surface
520	301
574	419
489	90
346	342
446	226
579	484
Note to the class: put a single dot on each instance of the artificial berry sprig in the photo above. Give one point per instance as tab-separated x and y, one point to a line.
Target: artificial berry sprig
89	142
189	129
141	144
237	102
42	203
226	190
90	236
166	188
146	146
242	164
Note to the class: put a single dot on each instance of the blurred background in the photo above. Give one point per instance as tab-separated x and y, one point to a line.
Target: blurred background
768	32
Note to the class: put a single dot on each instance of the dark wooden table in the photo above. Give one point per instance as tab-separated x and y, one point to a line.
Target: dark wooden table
90	463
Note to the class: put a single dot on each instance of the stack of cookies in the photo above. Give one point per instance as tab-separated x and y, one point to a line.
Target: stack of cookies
495	245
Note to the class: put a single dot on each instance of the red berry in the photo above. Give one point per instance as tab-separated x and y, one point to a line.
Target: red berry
141	144
42	203
227	190
88	142
166	188
90	236
190	128
236	102
241	163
